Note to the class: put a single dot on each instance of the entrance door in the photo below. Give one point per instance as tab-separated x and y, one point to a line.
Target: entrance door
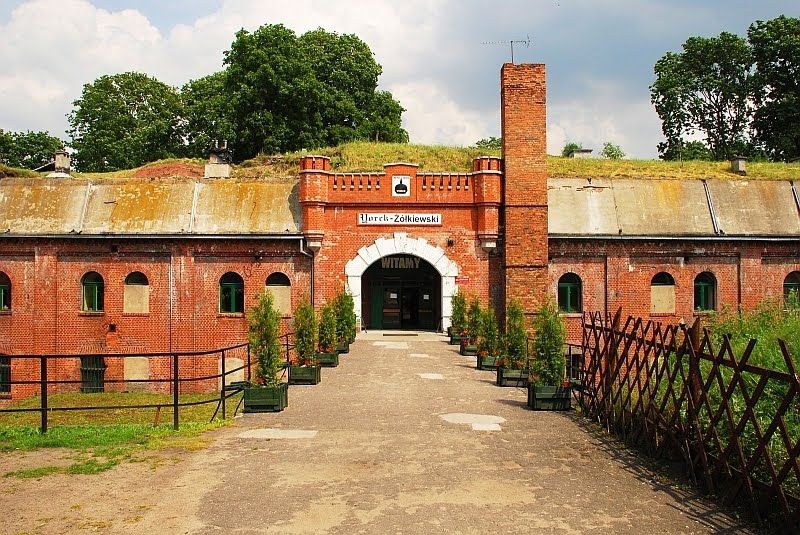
402	292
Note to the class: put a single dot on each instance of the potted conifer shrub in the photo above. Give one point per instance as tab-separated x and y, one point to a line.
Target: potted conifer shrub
490	345
345	321
457	318
305	370
469	338
547	389
268	393
326	351
514	370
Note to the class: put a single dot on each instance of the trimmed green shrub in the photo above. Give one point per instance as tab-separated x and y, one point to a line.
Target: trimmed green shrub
550	334
305	333
263	333
327	329
491	342
458	319
516	337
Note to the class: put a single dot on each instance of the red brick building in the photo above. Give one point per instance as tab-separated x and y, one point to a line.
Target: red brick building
137	265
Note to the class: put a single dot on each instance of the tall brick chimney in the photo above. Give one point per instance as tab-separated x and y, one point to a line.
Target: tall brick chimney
524	129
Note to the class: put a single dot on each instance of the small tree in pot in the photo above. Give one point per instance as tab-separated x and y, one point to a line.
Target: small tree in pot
326	353
263	333
305	369
457	318
546	391
490	346
469	341
345	320
514	370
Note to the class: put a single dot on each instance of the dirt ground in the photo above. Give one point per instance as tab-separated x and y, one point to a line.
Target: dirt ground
377	453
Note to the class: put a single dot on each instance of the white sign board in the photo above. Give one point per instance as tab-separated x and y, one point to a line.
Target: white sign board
399	218
401	186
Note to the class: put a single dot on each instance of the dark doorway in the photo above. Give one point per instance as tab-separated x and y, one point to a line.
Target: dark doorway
401	292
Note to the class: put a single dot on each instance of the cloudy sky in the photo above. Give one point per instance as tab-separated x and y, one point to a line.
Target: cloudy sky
435	57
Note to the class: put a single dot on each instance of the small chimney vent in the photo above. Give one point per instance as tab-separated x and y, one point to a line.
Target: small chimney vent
219	161
739	165
61	165
580	153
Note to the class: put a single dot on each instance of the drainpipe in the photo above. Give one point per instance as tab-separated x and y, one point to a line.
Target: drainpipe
309	254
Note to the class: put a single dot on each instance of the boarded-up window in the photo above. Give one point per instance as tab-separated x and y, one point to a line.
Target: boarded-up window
662	294
281	289
137	294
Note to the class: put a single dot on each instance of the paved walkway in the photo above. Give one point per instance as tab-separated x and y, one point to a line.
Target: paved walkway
389	443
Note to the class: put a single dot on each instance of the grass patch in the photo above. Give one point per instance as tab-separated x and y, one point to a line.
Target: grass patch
105	438
362	156
16	172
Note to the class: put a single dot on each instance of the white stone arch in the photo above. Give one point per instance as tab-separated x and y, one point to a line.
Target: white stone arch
400	243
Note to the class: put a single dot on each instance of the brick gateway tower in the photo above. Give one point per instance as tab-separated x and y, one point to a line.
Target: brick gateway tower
524	131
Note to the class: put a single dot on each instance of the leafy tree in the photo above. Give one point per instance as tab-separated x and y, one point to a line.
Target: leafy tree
123	121
776	51
516	337
289	92
612	151
27	150
344	306
489	143
264	333
474	319
569	148
550	333
207	114
685	150
706	88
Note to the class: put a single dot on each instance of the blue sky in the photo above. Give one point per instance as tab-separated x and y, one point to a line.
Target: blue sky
599	54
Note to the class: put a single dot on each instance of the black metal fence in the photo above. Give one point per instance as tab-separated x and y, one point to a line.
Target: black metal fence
177	369
677	393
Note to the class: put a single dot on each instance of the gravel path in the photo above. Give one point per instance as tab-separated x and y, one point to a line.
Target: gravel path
405	436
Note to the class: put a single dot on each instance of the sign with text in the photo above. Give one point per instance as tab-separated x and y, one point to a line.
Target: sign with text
401	186
399	218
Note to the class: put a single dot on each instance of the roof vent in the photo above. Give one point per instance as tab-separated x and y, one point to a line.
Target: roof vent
61	165
580	153
219	161
739	165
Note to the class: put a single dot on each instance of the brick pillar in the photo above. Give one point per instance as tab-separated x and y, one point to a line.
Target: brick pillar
524	116
314	171
487	194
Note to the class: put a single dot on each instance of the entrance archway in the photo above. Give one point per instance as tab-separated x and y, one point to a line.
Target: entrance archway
400	244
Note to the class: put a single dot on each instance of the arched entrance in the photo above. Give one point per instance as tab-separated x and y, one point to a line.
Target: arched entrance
401	292
439	270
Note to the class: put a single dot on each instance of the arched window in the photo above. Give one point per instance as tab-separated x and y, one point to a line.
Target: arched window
662	294
93	292
705	292
5	292
136	299
280	287
791	290
231	294
569	293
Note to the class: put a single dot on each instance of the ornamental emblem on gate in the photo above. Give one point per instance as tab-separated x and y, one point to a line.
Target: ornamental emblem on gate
401	186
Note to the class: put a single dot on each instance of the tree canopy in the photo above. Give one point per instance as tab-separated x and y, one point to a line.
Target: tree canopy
705	89
124	120
290	93
741	95
27	150
278	92
776	52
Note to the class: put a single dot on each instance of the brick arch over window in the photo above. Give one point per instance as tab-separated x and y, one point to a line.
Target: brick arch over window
400	243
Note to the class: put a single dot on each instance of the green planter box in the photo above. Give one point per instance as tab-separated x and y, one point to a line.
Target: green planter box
455	339
343	347
266	398
328	360
467	350
304	375
512	377
487	362
549	398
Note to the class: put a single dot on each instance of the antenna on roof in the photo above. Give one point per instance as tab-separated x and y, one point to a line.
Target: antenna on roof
526	43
